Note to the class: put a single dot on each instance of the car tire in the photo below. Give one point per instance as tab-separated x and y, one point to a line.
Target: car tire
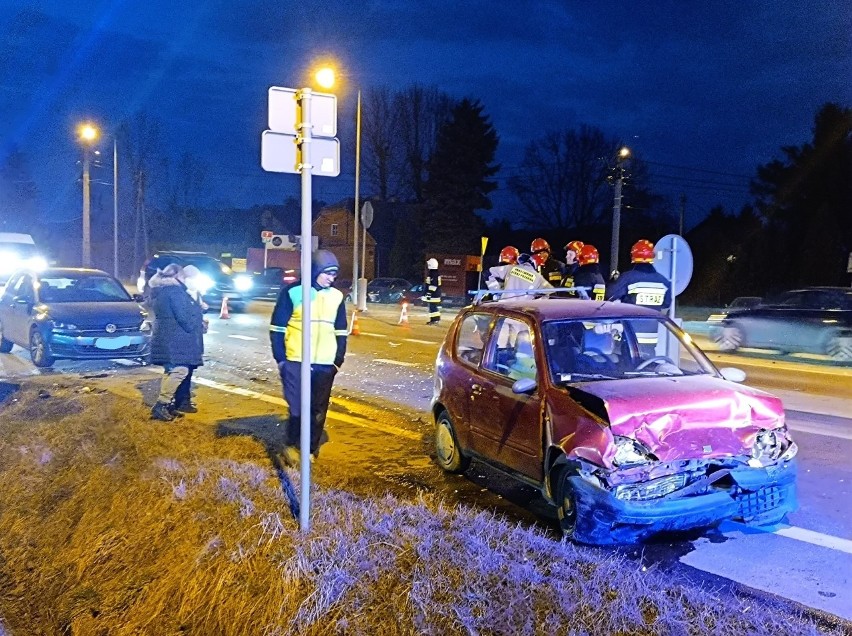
839	348
40	350
730	339
5	345
566	505
447	450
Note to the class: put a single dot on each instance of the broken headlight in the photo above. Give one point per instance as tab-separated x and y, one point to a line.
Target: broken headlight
769	445
650	489
629	452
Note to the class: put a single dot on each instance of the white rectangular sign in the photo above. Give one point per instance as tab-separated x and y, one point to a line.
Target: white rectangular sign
280	153
284	112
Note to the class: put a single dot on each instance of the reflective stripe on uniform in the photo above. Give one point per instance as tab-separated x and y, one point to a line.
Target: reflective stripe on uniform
647	293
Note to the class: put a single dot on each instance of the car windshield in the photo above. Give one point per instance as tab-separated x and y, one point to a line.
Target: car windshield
609	349
68	288
208	265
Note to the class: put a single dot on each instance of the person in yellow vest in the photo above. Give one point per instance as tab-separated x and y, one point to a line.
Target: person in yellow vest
328	348
432	286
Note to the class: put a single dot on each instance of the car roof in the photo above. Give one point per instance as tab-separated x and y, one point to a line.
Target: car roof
544	309
70	271
823	288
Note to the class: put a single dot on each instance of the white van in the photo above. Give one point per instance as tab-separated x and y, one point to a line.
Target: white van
18	251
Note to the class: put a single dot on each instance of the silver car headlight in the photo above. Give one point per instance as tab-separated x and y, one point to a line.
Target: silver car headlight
650	489
64	325
629	452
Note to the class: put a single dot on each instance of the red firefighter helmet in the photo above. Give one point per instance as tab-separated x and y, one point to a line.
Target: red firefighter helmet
642	252
574	246
539	245
588	255
509	254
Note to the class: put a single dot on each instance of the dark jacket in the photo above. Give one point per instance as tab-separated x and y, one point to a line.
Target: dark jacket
642	285
178	336
590	276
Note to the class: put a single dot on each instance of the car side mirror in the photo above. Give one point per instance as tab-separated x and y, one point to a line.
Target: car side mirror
733	374
139	298
524	385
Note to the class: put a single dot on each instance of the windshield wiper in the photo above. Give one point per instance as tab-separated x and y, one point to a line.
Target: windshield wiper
571	377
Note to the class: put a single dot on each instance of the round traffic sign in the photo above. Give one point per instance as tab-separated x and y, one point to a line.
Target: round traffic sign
367	215
673	259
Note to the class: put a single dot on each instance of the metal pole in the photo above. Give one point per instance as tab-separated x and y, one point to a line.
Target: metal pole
307	285
616	221
115	207
87	241
357	193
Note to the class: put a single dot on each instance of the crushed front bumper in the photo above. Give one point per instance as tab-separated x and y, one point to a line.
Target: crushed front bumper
755	496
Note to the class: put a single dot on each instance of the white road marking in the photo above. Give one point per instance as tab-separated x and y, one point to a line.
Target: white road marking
374	335
814	538
271	399
239	337
426	342
819	429
398	362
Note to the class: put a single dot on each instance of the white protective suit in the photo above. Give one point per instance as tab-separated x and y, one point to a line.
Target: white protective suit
521	277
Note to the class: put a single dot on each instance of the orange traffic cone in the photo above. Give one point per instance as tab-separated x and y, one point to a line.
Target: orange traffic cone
353	328
223	312
403	315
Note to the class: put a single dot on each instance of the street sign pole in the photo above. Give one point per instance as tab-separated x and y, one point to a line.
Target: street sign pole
304	141
356	294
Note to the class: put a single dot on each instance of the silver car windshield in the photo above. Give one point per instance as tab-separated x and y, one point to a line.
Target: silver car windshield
79	289
611	349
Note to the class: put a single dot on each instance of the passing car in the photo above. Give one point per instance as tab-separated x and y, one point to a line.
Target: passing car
386	290
625	442
18	251
816	320
218	281
268	284
73	313
715	319
414	295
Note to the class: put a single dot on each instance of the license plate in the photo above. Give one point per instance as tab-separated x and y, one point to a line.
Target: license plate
644	298
112	343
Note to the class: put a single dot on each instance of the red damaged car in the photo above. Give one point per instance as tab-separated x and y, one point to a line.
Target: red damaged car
578	398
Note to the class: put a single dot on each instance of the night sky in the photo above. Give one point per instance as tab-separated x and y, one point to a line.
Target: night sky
704	92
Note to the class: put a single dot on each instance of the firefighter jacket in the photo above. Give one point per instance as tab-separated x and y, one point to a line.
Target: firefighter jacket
642	285
521	277
328	325
552	271
590	276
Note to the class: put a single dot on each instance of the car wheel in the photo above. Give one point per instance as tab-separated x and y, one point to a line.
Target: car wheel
39	350
730	339
566	505
839	348
449	455
5	345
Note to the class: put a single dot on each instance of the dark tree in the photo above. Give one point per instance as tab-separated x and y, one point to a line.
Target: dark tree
459	181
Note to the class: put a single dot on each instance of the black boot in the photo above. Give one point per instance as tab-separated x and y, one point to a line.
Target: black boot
186	406
160	412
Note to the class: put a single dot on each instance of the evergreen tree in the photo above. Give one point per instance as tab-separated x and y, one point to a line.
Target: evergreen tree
458	183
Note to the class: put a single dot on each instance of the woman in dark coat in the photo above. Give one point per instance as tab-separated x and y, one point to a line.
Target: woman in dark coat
177	341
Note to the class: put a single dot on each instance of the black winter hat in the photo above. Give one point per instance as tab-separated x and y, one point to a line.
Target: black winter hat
324	261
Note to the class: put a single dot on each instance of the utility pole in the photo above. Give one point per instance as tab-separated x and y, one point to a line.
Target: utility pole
356	294
87	239
623	155
115	207
682	212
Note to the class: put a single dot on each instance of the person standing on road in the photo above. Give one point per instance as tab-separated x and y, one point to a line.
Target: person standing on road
432	285
177	341
572	251
328	348
184	401
497	275
645	286
521	276
588	273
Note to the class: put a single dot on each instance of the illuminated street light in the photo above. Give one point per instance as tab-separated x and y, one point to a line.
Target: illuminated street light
325	77
87	133
622	156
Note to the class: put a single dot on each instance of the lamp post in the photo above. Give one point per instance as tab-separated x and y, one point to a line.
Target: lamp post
623	155
88	134
115	207
356	291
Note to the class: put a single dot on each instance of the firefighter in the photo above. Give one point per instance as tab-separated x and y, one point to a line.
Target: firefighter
521	276
588	272
572	250
551	269
508	256
643	285
432	285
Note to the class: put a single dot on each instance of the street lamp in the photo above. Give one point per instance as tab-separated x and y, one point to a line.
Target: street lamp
88	134
622	156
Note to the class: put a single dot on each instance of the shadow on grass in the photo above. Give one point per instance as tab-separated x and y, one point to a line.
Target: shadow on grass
7	389
150	389
269	430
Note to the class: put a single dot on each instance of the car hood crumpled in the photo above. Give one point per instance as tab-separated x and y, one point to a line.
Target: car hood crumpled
123	314
687	417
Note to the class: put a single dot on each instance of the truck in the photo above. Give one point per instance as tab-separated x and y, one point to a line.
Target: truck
18	251
459	276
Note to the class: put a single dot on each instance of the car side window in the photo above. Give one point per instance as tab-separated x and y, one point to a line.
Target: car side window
510	351
24	289
471	339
